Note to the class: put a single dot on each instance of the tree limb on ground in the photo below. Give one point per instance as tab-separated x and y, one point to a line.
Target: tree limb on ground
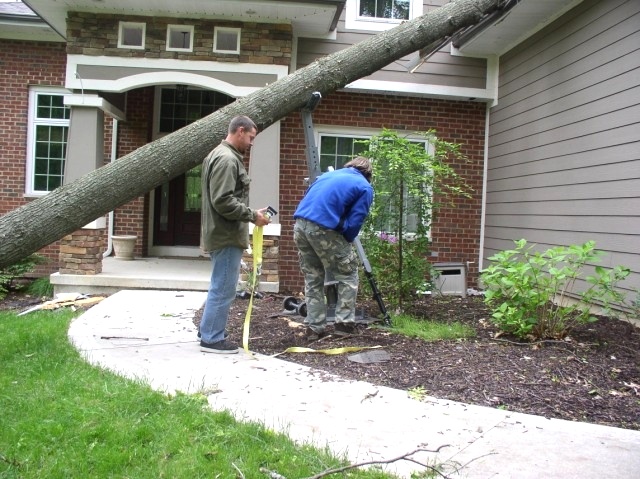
405	457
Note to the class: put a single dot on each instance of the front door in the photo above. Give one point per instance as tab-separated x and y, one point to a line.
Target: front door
176	219
177	211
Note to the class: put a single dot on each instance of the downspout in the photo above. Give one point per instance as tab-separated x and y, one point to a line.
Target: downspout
493	71
485	170
114	144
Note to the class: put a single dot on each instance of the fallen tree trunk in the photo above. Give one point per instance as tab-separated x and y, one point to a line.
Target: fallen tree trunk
29	228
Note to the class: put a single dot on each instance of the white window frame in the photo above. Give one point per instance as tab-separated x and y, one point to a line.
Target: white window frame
342	134
366	134
180	28
33	122
133	25
217	30
355	22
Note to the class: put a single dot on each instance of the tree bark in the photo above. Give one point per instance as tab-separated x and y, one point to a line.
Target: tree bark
29	228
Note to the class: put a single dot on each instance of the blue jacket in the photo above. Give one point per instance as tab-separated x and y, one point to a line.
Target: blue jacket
338	200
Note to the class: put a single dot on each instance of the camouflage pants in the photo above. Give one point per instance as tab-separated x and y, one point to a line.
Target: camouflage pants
325	254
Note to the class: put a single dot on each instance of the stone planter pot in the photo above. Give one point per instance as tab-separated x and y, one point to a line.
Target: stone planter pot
123	246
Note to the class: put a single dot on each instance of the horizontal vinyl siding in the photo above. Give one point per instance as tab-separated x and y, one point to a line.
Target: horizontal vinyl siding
595	206
442	69
596	189
564	139
601	225
567	48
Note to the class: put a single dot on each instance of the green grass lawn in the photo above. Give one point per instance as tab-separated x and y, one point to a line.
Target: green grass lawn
431	330
63	418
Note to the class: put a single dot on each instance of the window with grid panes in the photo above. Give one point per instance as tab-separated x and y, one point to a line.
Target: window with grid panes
390	9
47	139
380	15
182	106
336	150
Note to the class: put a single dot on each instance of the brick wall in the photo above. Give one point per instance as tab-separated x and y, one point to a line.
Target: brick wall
24	64
456	229
32	63
90	34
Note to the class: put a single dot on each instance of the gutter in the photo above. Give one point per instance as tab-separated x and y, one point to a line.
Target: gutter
473	31
11	18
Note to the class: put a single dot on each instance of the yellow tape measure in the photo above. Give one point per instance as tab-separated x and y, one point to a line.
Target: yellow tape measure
330	351
257	270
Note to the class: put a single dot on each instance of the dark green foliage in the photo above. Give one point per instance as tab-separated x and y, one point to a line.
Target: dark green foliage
535	294
10	276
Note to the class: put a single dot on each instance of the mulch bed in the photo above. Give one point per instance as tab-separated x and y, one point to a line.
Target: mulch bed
592	376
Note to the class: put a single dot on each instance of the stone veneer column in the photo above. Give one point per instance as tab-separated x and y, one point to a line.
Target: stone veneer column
81	252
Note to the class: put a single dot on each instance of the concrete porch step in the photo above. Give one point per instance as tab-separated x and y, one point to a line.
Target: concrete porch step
177	274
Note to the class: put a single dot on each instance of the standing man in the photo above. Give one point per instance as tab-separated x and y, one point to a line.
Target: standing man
225	228
328	219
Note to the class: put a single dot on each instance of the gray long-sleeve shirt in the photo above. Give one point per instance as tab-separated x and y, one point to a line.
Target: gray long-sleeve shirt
225	198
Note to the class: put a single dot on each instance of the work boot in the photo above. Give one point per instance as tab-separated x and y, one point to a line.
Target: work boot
311	335
344	329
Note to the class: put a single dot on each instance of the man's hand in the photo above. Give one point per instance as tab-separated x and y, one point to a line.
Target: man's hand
261	218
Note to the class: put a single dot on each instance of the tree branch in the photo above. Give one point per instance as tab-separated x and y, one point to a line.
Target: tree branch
387	461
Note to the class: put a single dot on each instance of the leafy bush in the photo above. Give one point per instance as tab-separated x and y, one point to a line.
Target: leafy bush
410	183
631	307
533	295
10	274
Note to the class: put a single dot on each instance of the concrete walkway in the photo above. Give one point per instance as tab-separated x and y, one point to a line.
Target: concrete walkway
150	335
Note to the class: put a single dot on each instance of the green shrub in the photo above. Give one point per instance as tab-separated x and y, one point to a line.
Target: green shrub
41	288
631	307
532	294
10	275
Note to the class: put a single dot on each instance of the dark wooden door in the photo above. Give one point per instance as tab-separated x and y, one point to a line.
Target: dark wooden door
177	211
